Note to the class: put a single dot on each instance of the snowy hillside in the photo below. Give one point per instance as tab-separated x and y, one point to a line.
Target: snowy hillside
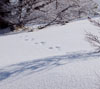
51	41
57	57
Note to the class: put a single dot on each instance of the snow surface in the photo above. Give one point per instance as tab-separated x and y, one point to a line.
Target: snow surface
57	57
51	41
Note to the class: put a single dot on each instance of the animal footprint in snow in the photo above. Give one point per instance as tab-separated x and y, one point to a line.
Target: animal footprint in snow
36	43
42	43
26	38
57	47
32	39
50	47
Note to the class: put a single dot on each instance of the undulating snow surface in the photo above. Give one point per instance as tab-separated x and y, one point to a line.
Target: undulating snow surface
51	41
57	57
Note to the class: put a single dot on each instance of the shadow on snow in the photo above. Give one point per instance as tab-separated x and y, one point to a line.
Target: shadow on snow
26	68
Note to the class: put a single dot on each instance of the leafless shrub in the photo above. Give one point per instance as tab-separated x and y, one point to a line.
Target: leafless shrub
94	40
96	23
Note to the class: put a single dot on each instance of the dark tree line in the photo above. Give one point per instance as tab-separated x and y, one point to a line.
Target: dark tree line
3	13
17	14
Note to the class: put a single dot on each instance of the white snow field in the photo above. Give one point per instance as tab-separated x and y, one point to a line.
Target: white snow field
57	57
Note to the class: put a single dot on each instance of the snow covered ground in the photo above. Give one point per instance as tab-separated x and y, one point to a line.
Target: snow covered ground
51	41
57	57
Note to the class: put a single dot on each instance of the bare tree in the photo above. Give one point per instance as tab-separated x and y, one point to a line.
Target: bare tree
17	14
93	39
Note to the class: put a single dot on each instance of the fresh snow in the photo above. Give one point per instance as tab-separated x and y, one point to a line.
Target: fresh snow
51	41
57	57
